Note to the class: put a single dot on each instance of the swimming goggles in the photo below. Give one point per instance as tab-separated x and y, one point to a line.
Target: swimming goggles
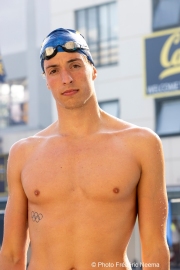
70	46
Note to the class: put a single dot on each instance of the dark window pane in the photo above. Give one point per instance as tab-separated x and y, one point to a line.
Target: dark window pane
3	166
166	14
168	121
104	23
1	227
81	22
92	34
113	33
13	103
99	26
110	106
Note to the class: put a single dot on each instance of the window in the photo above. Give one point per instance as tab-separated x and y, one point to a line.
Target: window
1	226
13	103
111	107
173	222
98	25
3	201
3	165
168	116
166	14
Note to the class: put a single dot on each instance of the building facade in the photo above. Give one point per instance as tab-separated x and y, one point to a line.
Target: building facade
25	102
135	45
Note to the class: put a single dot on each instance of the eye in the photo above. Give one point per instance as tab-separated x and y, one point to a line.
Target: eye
53	71
76	66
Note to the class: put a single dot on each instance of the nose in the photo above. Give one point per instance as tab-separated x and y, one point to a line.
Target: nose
66	77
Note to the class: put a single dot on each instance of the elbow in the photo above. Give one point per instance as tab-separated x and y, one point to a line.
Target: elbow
158	254
9	260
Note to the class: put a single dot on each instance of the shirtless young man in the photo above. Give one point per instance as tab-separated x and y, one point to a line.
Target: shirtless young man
76	188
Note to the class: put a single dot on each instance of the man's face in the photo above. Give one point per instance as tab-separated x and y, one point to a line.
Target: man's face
70	78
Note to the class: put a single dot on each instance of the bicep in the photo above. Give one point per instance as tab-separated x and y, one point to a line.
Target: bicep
152	198
15	237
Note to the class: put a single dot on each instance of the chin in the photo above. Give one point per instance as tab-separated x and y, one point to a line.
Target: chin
76	105
72	106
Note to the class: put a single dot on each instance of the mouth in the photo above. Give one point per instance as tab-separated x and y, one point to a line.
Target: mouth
70	92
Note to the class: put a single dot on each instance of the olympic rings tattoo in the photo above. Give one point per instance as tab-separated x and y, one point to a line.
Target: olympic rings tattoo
36	217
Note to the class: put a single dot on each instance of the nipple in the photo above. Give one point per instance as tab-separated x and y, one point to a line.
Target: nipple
116	190
36	192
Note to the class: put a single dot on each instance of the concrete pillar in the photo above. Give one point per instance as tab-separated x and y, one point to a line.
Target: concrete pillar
32	65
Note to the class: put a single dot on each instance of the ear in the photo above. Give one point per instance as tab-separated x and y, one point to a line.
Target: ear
47	85
94	74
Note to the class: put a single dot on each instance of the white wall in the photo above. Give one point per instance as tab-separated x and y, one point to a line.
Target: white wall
13	24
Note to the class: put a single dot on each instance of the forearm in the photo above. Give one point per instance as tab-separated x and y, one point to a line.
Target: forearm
7	263
156	259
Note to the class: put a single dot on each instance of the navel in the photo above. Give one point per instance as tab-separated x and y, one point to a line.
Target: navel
116	190
72	268
36	192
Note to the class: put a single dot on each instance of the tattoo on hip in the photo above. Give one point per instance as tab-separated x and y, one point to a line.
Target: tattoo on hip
36	217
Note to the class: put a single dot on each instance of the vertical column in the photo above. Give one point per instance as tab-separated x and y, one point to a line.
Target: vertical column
32	65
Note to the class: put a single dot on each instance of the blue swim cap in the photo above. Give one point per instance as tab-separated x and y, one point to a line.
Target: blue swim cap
60	37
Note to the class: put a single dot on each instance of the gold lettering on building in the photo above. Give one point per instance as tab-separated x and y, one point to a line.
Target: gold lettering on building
1	69
171	64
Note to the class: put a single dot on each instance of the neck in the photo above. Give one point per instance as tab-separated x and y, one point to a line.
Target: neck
80	121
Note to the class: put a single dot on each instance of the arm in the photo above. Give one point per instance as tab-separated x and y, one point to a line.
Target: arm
15	240
152	204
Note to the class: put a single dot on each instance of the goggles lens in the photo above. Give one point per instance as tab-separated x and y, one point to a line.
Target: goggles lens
70	46
49	51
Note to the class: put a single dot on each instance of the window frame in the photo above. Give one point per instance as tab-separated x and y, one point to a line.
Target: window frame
8	119
3	174
156	29
110	101
158	102
97	7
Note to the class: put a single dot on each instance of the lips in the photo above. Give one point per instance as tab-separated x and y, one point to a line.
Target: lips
70	92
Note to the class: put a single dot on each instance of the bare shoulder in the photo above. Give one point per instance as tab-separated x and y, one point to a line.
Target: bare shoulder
20	150
146	144
139	135
142	142
22	147
143	139
143	136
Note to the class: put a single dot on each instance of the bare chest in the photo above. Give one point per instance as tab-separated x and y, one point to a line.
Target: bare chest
98	172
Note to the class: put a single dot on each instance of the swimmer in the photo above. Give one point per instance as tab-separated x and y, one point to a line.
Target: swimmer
77	187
